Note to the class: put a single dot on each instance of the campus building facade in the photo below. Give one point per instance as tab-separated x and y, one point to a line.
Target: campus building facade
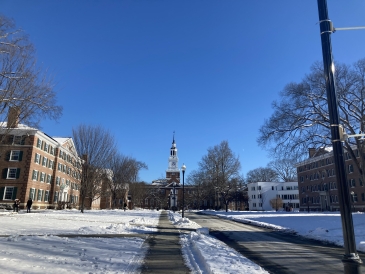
261	193
37	166
318	189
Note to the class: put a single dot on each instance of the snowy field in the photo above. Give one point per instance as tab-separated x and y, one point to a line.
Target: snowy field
29	242
322	226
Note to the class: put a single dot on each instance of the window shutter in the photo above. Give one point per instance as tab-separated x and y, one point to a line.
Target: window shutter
17	173
5	173
7	156
20	155
2	189
14	193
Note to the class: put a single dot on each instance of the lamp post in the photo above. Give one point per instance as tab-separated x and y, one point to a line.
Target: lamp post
351	259
183	168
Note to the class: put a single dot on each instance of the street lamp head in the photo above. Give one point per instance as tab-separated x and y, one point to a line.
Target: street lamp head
352	193
183	168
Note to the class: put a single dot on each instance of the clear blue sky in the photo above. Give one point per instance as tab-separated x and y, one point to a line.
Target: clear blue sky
208	70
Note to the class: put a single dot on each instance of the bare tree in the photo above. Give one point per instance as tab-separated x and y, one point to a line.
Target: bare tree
301	119
276	203
221	167
139	192
24	85
124	171
285	169
261	174
97	146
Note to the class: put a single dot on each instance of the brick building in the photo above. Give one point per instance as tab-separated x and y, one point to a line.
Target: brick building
317	182
37	166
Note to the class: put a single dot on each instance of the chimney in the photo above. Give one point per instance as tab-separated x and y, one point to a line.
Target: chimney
312	151
13	117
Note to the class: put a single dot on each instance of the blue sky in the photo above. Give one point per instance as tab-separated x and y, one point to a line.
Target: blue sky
208	70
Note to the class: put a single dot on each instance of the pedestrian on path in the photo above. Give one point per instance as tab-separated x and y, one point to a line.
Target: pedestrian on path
16	205
29	205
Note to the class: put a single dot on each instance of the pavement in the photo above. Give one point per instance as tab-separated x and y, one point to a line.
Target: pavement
164	254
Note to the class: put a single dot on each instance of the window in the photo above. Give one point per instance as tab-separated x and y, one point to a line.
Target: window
40	195
50	164
49	178
259	187
17	140
37	158
15	155
351	168
39	143
55	199
46	196
12	173
9	193
59	167
46	147
58	181
363	197
35	175
355	198
352	183
43	177
44	161
32	193
52	150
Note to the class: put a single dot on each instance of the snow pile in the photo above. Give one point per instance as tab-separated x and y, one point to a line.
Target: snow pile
205	254
178	221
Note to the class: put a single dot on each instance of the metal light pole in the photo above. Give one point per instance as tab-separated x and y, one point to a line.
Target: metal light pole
183	168
350	259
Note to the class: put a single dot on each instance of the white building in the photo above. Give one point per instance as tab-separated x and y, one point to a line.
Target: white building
260	194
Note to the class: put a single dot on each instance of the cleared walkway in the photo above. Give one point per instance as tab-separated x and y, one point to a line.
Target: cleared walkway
164	254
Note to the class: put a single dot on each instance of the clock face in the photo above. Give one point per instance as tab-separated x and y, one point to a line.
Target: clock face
173	163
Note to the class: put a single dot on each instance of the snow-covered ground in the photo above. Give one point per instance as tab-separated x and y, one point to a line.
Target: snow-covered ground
324	226
32	247
205	254
29	242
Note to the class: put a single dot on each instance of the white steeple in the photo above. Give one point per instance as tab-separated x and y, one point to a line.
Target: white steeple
173	159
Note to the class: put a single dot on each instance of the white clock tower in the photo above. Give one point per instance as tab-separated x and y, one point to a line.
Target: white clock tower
173	170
